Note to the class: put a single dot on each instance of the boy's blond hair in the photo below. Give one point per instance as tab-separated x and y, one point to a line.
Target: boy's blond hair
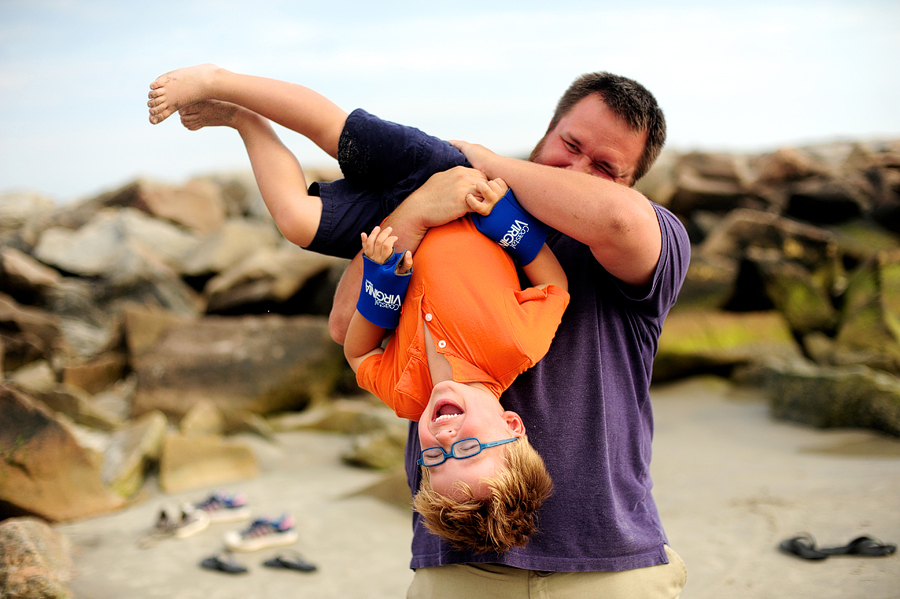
498	522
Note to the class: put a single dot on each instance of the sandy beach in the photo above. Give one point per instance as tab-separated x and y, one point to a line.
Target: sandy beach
730	484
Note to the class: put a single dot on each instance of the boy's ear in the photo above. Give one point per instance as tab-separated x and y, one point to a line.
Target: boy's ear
514	422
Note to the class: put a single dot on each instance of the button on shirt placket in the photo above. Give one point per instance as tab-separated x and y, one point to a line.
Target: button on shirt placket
441	343
435	331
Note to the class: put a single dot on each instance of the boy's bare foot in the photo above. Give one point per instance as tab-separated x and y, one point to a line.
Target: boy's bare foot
209	113
177	89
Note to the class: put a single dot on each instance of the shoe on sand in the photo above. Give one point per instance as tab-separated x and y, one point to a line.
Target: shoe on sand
863	546
263	533
225	507
192	522
803	546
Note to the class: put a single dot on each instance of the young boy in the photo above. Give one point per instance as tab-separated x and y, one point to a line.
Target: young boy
467	329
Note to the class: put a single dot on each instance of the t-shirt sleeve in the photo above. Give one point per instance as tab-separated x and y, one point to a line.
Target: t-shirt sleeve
674	260
536	318
379	374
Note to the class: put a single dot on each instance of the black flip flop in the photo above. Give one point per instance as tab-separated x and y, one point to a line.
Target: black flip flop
290	560
864	545
803	546
223	562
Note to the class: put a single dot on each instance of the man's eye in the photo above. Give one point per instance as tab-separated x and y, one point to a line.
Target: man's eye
572	147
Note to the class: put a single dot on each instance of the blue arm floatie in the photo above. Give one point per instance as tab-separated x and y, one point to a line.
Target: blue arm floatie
382	292
513	228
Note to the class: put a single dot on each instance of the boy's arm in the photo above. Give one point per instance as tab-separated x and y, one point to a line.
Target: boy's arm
364	337
545	270
363	340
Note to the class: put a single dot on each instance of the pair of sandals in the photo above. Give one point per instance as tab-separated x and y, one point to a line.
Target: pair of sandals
225	562
804	546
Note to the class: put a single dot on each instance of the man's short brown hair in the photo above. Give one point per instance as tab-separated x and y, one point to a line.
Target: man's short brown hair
498	522
630	101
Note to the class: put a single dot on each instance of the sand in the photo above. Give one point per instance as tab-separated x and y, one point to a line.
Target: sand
730	484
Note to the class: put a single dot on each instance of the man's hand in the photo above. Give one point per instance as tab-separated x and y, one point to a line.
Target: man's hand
477	155
442	199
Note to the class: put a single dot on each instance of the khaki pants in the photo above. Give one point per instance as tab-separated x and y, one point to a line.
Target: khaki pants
490	581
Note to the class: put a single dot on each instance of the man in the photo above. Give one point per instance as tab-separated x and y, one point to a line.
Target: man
586	404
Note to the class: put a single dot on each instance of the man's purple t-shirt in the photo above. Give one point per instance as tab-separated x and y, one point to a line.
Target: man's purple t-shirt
586	404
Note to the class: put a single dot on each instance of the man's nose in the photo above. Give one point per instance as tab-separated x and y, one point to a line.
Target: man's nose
580	164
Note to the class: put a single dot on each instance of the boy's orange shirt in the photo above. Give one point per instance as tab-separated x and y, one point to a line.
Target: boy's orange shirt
465	288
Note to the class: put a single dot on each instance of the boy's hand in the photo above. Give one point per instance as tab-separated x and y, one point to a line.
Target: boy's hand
379	247
486	196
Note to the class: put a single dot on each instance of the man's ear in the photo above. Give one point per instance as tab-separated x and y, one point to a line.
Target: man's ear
514	422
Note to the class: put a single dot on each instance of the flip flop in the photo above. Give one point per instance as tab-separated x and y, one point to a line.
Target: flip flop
864	545
290	561
803	546
223	562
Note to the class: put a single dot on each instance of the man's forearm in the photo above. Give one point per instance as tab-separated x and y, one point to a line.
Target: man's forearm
615	221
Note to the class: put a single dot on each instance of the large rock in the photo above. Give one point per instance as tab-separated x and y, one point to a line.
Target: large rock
830	199
88	325
23	277
805	302
78	405
197	204
18	208
261	364
870	320
27	334
270	275
743	228
200	461
825	396
695	192
344	416
718	342
709	284
231	243
122	263
45	471
35	561
96	374
787	165
131	451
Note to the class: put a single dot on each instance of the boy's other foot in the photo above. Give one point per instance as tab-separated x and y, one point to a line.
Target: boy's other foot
209	113
176	89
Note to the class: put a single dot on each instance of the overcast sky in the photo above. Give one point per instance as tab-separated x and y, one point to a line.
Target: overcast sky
742	76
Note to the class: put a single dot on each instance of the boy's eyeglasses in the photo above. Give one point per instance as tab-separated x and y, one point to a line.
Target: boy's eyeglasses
462	449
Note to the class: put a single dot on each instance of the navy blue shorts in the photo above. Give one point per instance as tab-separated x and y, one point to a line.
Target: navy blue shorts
382	163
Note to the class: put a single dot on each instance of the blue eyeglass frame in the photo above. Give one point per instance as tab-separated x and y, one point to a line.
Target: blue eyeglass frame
481	447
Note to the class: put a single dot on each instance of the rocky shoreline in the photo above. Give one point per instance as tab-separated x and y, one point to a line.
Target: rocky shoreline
141	329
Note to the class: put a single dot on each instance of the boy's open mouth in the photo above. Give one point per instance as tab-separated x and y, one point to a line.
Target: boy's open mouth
445	410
